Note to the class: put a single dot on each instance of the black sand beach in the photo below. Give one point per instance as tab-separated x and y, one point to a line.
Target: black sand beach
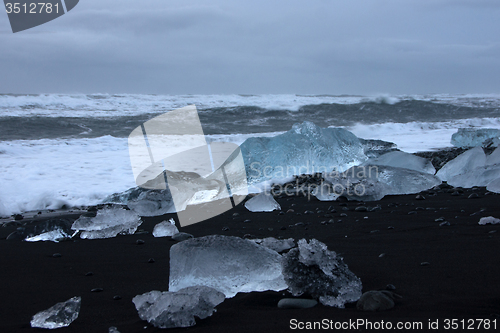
442	272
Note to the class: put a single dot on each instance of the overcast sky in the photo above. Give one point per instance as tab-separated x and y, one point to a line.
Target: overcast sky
258	47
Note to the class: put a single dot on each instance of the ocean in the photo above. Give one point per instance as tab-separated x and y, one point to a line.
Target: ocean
71	149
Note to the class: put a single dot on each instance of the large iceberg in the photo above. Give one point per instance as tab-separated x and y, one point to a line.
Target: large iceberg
108	223
177	309
60	315
463	163
313	269
263	202
470	137
373	182
226	263
401	159
305	149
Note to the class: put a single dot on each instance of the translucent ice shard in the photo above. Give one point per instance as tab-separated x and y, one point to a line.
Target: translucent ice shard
228	264
470	137
463	163
177	309
481	176
108	223
305	149
53	236
263	202
373	182
489	220
165	229
313	269
278	245
494	157
494	186
401	159
60	315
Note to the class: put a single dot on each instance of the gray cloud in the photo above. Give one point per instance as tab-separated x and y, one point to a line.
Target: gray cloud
317	46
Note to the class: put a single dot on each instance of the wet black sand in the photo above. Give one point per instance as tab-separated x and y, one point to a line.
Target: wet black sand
459	282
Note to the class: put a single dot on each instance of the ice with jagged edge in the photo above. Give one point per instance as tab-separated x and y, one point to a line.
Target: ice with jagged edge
278	245
226	263
373	182
463	163
494	186
324	192
313	269
401	159
305	149
470	137
177	309
108	223
488	220
165	229
53	236
494	157
145	202
262	202
60	315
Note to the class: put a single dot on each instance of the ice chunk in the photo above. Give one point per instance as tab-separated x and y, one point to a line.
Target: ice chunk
463	163
489	220
263	202
226	263
177	309
325	192
60	315
305	149
494	157
113	329
165	229
278	245
494	186
470	137
313	269
482	176
374	148
54	236
401	159
373	182
108	223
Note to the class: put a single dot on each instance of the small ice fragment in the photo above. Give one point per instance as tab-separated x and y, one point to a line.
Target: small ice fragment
108	223
489	220
165	229
471	137
278	245
54	236
60	315
226	263
177	309
313	269
263	202
324	192
113	329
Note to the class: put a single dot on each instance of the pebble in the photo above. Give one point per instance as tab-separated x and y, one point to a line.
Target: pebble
283	228
117	297
420	197
361	209
375	300
182	236
308	212
151	260
57	255
18	217
390	287
455	193
246	221
374	231
343	215
425	263
439	219
473	196
236	214
381	255
296	303
225	229
140	242
443	224
412	212
97	290
89	274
